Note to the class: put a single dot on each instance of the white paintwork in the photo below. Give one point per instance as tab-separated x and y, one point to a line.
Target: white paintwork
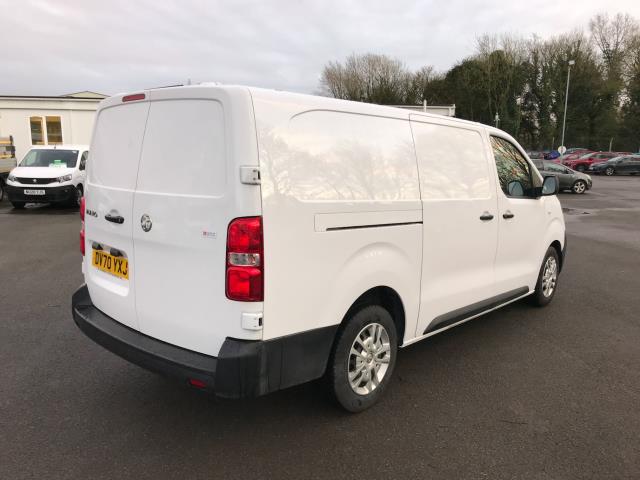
457	188
78	176
332	173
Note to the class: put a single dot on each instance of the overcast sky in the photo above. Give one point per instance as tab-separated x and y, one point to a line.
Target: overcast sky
54	47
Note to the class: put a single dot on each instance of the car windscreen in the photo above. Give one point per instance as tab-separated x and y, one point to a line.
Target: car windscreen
50	158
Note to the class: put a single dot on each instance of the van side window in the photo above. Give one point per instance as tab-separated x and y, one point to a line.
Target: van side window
452	160
514	171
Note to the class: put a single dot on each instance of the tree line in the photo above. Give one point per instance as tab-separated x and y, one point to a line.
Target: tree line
524	82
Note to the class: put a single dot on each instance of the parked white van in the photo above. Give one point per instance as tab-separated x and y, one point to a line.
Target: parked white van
247	240
49	174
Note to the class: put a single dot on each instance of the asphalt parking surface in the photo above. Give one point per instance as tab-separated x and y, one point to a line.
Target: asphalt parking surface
526	393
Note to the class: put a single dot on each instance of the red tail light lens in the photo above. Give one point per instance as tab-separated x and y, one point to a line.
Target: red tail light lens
82	209
245	262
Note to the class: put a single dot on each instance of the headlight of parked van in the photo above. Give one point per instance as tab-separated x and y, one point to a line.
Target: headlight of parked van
11	178
65	178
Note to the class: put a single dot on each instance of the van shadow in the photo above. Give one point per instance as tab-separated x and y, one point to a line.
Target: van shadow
149	405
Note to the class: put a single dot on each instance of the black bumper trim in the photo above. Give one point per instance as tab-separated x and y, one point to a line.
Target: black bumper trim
243	368
138	348
52	194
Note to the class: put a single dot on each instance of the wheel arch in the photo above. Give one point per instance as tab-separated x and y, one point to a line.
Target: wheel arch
385	297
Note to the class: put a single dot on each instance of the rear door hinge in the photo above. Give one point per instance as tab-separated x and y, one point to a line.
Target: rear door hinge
250	175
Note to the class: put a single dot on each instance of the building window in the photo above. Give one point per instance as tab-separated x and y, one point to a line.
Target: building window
37	132
54	131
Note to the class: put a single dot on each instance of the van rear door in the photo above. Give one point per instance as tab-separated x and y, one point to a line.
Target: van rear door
115	153
180	217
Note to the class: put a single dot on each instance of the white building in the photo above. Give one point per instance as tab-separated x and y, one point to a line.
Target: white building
44	120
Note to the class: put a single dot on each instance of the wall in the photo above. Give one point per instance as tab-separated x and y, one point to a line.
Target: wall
77	120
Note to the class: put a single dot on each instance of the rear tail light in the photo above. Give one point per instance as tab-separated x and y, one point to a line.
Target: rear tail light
82	209
245	260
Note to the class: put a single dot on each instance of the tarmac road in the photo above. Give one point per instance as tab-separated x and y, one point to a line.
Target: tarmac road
527	393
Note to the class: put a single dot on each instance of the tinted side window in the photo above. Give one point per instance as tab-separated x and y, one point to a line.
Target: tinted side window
514	171
552	167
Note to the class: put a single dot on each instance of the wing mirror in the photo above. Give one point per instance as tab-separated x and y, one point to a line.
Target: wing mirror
550	185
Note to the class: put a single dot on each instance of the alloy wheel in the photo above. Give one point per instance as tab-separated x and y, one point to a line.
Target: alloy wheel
549	276
609	171
369	359
579	187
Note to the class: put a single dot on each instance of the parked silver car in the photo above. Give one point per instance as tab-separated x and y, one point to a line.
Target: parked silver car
568	179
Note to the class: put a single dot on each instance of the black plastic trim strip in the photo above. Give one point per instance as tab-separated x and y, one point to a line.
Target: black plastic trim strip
474	309
354	227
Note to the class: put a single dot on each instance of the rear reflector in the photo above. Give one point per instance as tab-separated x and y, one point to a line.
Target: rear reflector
194	382
134	97
245	262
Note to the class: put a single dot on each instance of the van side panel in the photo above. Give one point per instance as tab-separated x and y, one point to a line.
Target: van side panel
341	210
459	247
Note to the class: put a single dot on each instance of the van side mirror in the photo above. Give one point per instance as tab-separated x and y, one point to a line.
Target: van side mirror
550	185
515	189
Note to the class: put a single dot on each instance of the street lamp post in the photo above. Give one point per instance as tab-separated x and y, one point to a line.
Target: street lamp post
497	120
566	98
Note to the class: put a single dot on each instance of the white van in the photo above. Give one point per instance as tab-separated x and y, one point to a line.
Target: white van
246	240
49	174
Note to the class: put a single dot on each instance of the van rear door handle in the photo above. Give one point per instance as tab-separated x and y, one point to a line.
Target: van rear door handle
486	216
508	214
114	218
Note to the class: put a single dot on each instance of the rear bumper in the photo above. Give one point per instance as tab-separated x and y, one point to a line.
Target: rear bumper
52	194
242	369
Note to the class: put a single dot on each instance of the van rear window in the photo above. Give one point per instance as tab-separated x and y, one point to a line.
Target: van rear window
116	145
184	148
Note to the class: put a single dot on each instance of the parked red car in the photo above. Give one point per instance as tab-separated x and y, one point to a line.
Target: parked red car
572	154
583	162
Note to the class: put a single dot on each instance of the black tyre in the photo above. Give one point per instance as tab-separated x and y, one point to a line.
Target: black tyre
1	190
579	186
580	168
18	205
363	359
547	283
78	196
609	171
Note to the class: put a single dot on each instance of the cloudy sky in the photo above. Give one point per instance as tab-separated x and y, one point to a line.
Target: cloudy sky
51	47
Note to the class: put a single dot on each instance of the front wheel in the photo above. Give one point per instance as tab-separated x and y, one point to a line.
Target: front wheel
363	359
579	187
78	195
609	171
547	279
18	205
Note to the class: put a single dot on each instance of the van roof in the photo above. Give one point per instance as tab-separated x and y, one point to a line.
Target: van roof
319	102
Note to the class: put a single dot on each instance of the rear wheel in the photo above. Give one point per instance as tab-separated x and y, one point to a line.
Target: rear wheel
579	186
609	171
363	359
547	279
580	168
1	190
18	205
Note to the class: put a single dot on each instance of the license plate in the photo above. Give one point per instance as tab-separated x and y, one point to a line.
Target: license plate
33	192
118	266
